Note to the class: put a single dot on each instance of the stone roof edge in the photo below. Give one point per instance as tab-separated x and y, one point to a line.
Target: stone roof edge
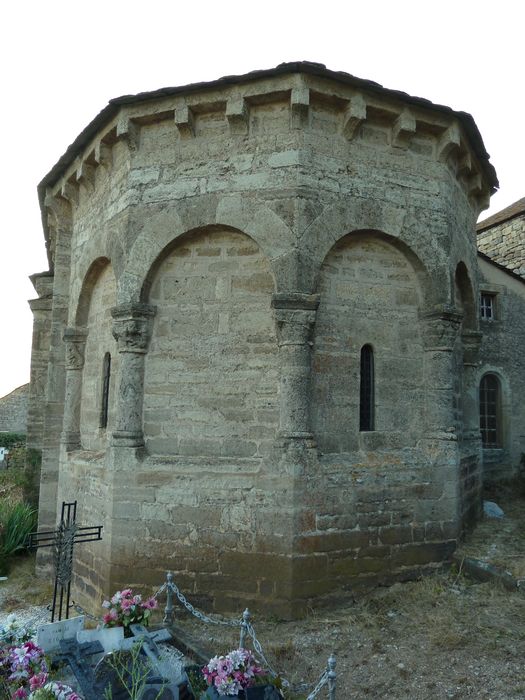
511	212
307	67
486	258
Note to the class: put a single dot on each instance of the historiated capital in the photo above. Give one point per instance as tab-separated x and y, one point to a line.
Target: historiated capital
132	326
75	339
295	317
441	327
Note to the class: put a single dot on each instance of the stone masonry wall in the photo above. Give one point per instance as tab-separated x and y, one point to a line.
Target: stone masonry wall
502	355
99	341
369	295
505	244
211	384
236	219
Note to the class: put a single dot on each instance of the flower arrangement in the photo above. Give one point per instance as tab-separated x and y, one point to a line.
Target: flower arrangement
12	633
125	609
232	673
23	667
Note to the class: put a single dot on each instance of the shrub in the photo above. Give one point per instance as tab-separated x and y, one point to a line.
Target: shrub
17	520
11	440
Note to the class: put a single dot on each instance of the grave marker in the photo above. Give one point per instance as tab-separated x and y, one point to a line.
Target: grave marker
63	539
50	635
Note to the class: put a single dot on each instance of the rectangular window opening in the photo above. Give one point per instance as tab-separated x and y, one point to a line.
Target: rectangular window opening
488	306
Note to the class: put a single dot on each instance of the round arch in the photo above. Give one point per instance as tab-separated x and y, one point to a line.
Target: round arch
90	278
406	251
161	229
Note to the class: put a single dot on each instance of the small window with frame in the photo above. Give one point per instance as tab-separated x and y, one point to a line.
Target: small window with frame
488	306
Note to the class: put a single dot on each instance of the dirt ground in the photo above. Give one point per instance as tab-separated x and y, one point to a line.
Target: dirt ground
444	636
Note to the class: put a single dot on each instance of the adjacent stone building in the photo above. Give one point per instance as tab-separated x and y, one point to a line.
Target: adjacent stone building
257	349
13	411
501	242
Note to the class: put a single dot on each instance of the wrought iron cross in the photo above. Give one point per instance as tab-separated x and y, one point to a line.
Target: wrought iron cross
63	540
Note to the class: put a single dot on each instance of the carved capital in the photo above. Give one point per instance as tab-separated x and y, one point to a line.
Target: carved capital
295	317
132	326
471	347
441	328
75	339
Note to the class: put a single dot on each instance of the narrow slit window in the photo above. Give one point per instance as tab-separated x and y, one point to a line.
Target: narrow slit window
489	411
106	373
366	392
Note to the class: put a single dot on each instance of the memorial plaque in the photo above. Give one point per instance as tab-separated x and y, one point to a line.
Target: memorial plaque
50	635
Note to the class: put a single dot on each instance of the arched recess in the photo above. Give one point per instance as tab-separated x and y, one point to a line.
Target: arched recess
164	224
464	297
464	391
370	296
97	297
389	220
211	371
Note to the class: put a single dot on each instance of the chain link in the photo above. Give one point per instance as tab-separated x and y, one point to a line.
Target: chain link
197	613
81	611
323	680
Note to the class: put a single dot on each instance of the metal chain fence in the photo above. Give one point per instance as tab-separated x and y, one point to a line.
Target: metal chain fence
327	678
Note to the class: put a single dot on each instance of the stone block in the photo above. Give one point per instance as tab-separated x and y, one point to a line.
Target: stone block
420	554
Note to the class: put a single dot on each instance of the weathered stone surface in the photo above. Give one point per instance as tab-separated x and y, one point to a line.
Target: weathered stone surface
250	238
13	411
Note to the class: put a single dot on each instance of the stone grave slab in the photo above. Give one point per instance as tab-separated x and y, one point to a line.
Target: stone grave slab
111	638
50	635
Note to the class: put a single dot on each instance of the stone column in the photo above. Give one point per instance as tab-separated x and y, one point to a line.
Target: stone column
295	319
471	362
132	329
439	336
75	339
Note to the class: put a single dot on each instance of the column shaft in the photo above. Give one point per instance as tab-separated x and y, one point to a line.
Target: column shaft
295	319
131	328
441	328
75	340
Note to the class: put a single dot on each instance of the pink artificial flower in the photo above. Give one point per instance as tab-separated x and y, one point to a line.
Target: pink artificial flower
38	681
19	694
127	592
126	603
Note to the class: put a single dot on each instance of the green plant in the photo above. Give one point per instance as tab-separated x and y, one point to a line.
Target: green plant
128	671
10	440
17	520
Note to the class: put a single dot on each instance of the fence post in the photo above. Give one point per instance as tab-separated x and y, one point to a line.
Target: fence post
244	628
168	610
332	676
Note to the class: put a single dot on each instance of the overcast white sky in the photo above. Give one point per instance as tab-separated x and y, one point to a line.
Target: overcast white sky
61	61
